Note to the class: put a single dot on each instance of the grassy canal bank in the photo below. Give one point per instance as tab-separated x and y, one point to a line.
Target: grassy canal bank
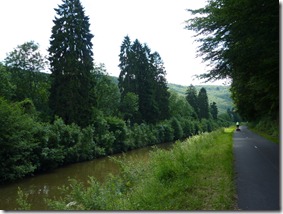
197	174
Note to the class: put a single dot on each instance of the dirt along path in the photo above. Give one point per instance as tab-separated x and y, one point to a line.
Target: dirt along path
257	169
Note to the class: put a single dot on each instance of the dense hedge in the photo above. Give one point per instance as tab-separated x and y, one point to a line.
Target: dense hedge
28	146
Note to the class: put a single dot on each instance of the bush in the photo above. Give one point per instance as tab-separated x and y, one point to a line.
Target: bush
102	136
16	142
168	131
196	128
268	126
206	125
117	127
58	144
178	130
187	127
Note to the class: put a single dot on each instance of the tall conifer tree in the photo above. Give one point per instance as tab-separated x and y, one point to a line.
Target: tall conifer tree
71	62
126	78
191	96
203	104
143	74
214	110
161	89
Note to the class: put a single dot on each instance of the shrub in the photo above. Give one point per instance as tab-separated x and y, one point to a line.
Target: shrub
178	130
117	127
16	142
102	136
196	128
187	127
168	131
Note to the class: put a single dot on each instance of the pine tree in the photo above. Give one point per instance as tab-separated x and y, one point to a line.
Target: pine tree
161	89
126	80
203	104
143	74
71	62
191	96
214	110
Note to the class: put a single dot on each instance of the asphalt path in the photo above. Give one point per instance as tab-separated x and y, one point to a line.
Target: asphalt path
257	168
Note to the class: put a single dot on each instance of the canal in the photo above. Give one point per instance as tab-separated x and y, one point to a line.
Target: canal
46	185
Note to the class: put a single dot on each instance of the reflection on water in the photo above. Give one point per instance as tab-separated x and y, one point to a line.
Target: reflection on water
47	184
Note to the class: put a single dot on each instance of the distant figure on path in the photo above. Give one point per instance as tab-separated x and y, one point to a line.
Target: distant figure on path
238	126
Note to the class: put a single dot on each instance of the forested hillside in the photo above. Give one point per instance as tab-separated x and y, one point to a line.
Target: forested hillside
219	94
216	93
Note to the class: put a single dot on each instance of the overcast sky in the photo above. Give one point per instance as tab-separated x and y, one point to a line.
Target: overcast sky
158	23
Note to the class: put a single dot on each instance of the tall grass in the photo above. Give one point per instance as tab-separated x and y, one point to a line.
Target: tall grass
196	174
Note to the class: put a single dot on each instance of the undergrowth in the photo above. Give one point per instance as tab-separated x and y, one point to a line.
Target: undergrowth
266	128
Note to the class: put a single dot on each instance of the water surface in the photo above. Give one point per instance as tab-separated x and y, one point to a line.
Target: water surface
46	184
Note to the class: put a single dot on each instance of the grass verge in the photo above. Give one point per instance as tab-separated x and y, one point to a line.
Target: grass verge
196	174
265	135
266	128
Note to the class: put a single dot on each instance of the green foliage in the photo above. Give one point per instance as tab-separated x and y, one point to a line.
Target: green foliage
191	96
90	117
178	130
267	128
71	64
27	107
76	199
166	132
16	142
118	128
219	94
179	107
203	107
130	106
25	80
26	57
196	174
234	115
22	200
214	110
187	127
186	177
141	135
143	74
105	92
226	28
109	134
59	144
206	125
7	88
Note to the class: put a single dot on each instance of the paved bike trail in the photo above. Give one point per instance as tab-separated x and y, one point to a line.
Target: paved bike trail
257	169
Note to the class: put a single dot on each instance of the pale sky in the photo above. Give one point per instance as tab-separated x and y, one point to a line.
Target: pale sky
158	23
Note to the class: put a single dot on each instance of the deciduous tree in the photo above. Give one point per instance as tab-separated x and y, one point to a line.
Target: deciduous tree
239	39
25	65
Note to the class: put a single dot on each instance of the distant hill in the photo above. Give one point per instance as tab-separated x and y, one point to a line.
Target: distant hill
216	93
